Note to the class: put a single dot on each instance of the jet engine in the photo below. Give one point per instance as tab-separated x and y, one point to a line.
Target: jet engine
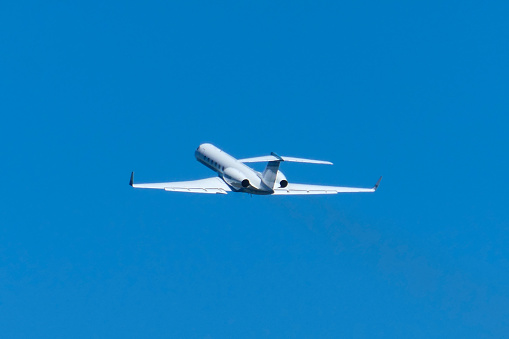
281	181
235	178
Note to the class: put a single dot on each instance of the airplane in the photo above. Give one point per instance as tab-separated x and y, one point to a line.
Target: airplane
233	175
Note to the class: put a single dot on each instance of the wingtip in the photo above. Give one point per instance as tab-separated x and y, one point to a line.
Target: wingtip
377	184
131	182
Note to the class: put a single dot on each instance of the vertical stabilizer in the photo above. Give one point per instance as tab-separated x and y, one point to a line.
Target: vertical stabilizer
270	173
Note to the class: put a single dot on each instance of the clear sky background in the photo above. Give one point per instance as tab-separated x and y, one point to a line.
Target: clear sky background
415	91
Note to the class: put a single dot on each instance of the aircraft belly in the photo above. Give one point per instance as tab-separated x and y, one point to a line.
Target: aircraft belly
252	190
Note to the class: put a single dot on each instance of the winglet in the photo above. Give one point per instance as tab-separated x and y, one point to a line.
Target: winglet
377	184
131	182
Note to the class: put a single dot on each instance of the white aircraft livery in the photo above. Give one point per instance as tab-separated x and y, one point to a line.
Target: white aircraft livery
235	176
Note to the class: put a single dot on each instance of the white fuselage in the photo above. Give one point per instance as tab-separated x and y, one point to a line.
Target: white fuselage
236	174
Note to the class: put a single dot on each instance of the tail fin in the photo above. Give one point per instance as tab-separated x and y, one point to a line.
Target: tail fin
270	173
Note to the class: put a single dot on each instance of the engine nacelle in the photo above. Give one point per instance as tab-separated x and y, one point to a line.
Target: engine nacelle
281	181
235	178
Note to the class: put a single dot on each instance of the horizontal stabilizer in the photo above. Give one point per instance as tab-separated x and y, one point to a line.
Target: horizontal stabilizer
275	157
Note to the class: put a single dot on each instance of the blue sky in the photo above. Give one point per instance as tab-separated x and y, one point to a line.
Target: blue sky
416	91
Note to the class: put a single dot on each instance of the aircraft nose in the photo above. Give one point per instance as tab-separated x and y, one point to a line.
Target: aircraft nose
202	147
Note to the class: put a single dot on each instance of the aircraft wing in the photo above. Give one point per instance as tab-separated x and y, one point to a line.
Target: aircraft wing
210	185
304	189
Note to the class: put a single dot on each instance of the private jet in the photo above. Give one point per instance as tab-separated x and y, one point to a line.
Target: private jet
233	175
